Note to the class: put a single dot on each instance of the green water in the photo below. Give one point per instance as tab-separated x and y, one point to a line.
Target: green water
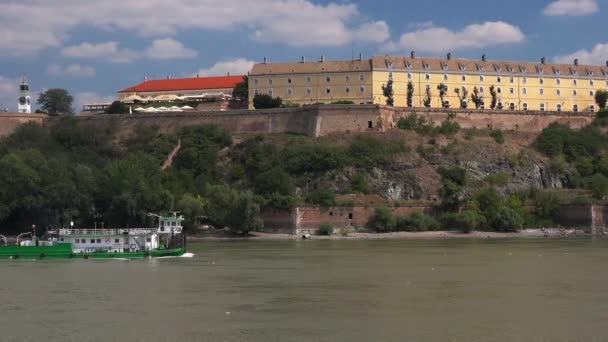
527	290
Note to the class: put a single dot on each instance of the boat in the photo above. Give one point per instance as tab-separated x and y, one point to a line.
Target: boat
166	240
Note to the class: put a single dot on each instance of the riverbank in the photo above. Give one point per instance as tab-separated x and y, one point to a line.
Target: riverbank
435	235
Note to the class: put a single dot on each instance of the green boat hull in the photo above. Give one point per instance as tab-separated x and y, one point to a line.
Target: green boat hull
64	251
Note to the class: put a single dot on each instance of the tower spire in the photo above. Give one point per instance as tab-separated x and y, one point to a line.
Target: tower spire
24	102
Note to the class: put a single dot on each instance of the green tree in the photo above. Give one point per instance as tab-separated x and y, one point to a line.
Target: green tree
598	184
56	101
274	181
410	94
382	221
237	210
601	97
322	197
117	107
192	207
265	101
427	98
452	193
466	221
389	92
507	220
241	90
462	96
476	98
443	90
494	96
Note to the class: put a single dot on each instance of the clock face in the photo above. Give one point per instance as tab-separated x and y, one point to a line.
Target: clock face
22	100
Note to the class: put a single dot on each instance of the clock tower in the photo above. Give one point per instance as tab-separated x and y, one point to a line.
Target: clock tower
24	103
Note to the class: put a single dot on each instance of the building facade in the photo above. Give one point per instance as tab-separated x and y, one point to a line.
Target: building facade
538	86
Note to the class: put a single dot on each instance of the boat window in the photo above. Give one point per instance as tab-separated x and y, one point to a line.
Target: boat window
148	239
116	241
98	240
92	240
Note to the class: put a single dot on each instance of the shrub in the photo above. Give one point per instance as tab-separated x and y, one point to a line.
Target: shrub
498	179
274	181
416	123
343	102
584	166
369	151
117	107
449	127
507	220
322	197
547	204
415	222
265	101
598	184
466	222
382	221
359	184
470	133
325	229
498	136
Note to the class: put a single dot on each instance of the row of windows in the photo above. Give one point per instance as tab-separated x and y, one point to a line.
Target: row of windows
309	91
328	79
524	80
524	91
542	107
93	241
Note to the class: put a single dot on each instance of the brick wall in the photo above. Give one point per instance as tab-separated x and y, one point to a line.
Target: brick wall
10	121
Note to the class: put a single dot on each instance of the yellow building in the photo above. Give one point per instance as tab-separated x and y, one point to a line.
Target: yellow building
518	85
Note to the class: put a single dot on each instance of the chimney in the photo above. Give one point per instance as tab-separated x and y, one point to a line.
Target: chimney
543	60
413	54
303	59
483	58
361	57
322	58
449	56
265	60
576	61
607	64
228	74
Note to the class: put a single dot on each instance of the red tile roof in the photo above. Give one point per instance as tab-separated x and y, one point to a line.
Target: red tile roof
195	83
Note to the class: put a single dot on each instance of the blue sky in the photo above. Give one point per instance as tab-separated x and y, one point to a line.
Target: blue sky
95	48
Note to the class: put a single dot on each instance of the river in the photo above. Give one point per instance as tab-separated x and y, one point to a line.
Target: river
444	291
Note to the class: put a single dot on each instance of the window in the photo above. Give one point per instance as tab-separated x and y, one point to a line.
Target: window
92	240
464	78
574	82
542	91
98	240
498	79
499	105
524	91
116	241
289	80
409	75
482	105
361	77
428	87
308	91
256	92
559	81
370	124
559	107
559	92
512	79
308	79
498	90
347	78
362	89
289	91
481	78
327	79
328	90
591	83
481	89
591	92
592	109
427	76
347	90
512	106
77	241
270	81
524	80
148	239
524	106
445	77
511	91
62	239
542	107
574	92
255	81
542	81
575	108
270	92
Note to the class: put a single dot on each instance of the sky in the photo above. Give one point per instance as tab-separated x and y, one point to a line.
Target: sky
96	48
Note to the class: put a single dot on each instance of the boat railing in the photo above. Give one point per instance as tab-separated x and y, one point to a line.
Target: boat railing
3	238
105	231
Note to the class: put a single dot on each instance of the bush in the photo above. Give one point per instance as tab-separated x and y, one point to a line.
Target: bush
547	204
265	101
416	123
117	107
498	136
382	221
325	229
274	181
368	151
415	222
343	102
507	220
466	222
598	184
359	184
449	127
322	197
498	179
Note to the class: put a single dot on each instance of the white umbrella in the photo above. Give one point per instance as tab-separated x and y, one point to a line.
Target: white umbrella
187	107
140	109
162	109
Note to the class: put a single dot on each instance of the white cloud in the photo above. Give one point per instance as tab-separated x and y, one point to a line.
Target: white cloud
169	49
86	97
439	39
291	22
237	66
108	50
571	8
74	70
598	55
